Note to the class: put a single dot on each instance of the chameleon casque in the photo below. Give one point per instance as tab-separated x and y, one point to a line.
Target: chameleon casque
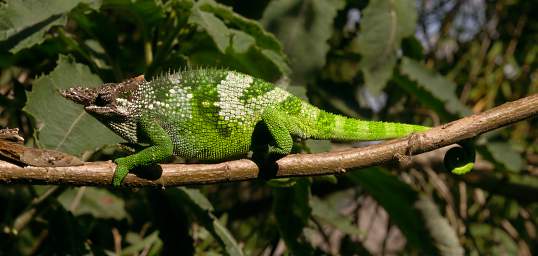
215	114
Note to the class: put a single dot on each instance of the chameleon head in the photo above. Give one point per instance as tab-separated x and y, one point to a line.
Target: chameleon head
109	101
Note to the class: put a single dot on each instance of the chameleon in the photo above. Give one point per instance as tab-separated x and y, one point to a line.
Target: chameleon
214	115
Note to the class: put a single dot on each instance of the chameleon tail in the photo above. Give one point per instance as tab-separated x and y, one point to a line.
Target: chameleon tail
354	129
323	125
318	124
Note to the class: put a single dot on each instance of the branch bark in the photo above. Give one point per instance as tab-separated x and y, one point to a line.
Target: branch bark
100	173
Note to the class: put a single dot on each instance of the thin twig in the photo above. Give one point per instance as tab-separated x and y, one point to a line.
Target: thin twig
100	173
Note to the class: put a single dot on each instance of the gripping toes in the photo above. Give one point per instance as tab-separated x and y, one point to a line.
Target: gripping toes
121	172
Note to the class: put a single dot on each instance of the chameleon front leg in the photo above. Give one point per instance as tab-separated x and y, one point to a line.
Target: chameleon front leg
160	149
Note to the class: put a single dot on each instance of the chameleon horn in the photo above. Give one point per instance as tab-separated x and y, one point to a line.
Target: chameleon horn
80	95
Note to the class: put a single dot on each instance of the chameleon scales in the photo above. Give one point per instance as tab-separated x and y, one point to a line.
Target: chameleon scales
215	114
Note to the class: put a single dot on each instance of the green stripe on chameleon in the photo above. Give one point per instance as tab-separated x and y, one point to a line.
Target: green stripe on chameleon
325	124
352	127
402	130
341	131
257	88
292	106
376	130
204	97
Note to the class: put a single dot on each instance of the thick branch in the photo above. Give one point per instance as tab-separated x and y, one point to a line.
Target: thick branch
100	173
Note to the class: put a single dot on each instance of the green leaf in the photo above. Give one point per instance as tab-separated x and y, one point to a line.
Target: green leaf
197	198
304	28
146	12
398	199
263	38
148	241
442	89
328	214
292	211
38	36
98	202
492	240
242	43
444	236
216	29
505	154
383	26
219	231
24	23
202	209
64	125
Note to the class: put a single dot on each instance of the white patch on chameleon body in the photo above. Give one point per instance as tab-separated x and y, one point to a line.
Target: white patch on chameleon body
229	91
232	88
274	96
178	102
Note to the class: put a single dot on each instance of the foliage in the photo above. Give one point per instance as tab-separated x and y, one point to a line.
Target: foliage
425	62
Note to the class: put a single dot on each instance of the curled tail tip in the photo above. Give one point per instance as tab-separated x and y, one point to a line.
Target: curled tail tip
463	169
460	160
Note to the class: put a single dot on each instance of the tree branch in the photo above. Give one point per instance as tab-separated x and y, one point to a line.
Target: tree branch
100	173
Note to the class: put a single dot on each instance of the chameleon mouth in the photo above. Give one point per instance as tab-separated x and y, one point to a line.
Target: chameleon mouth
110	111
99	109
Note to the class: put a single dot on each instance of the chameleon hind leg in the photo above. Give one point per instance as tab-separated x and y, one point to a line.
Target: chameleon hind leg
271	140
160	149
281	142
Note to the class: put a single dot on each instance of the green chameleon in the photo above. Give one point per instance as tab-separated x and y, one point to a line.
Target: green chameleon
214	114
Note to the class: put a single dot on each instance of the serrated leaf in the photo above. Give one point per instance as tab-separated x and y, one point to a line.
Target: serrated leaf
442	89
38	36
304	28
328	214
216	29
263	38
397	198
24	23
64	125
98	202
505	154
383	26
241	44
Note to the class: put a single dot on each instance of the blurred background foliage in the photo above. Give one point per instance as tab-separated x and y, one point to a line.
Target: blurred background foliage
426	62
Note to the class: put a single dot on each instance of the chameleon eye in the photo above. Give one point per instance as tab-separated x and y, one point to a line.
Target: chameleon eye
101	100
